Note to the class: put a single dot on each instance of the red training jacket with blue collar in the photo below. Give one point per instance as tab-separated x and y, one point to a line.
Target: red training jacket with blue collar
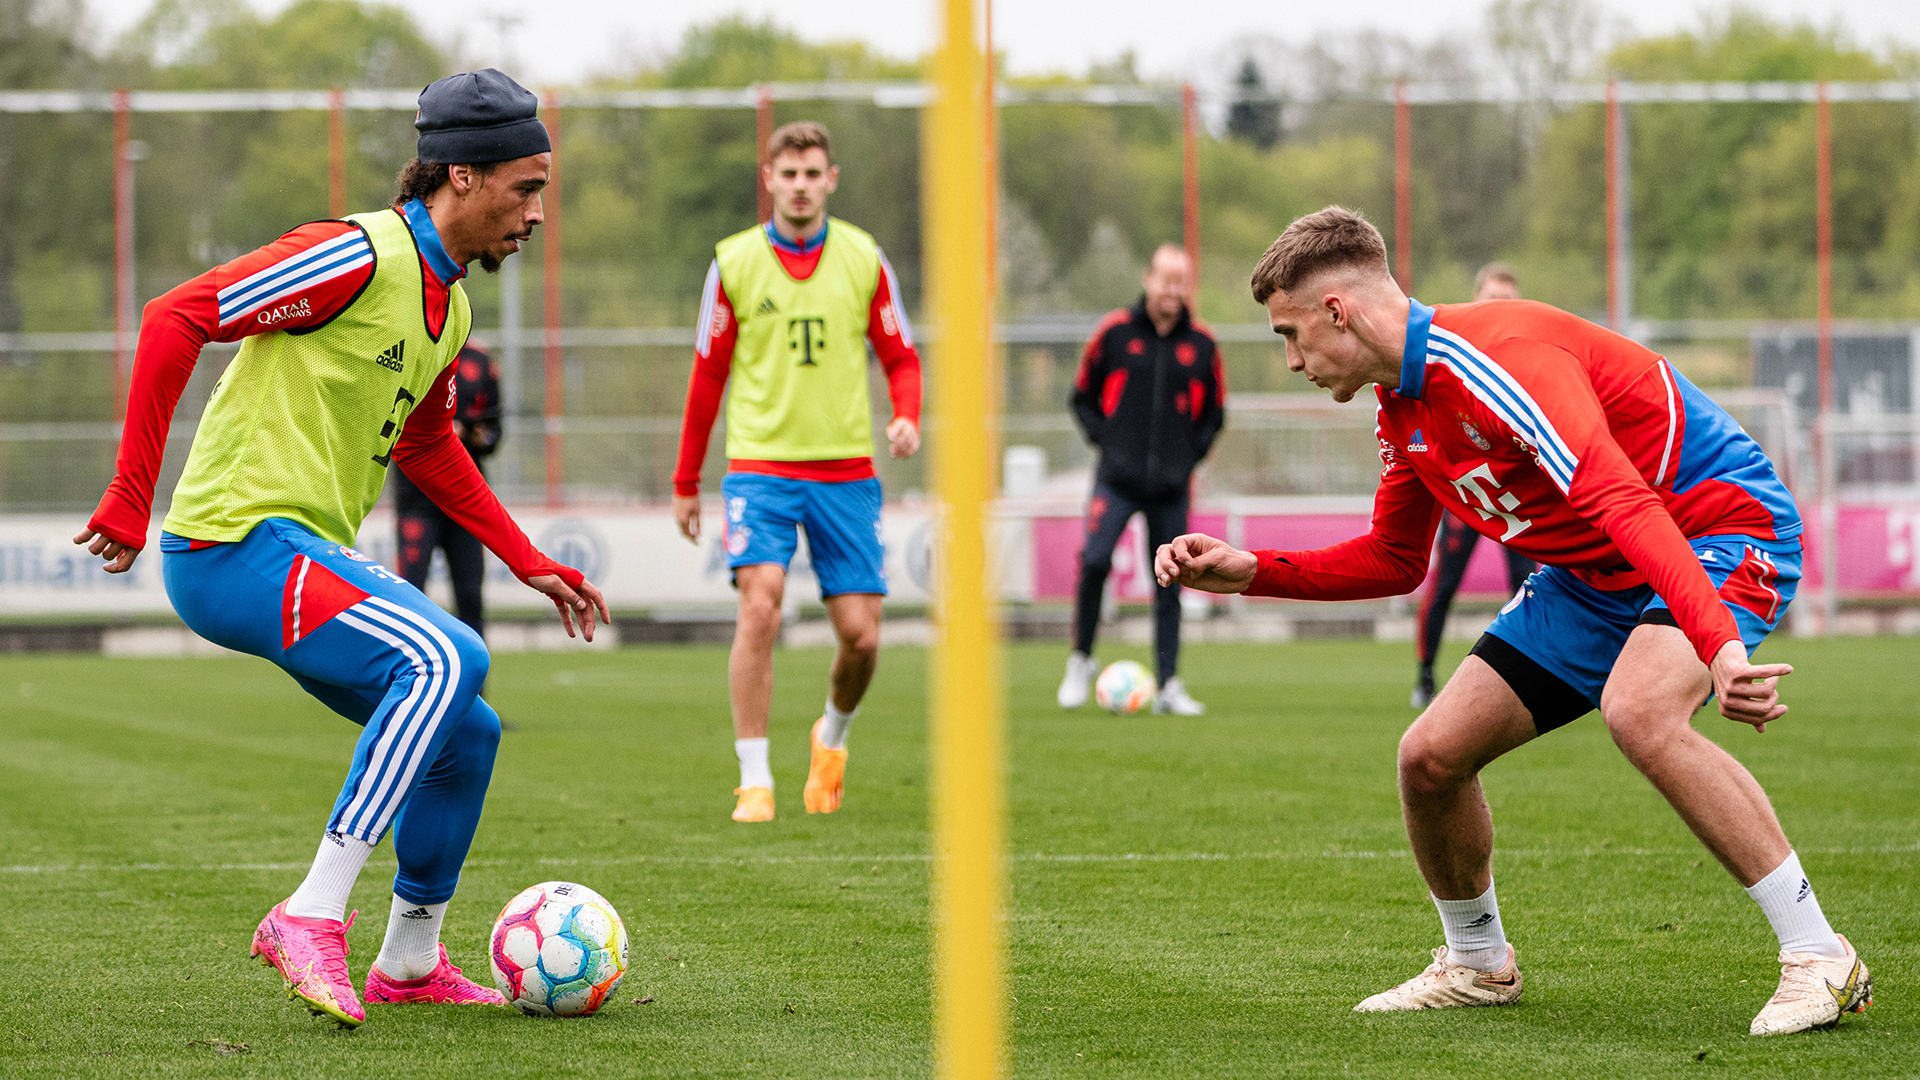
1570	444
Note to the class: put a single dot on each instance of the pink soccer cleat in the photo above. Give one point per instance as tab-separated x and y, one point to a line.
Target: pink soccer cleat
312	955
446	986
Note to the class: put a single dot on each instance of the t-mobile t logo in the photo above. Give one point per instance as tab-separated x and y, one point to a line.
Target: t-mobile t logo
1477	485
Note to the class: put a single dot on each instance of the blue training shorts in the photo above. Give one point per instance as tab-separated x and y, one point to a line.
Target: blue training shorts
375	650
1576	631
842	519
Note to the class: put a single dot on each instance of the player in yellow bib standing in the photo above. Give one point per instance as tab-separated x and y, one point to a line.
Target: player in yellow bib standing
349	332
789	311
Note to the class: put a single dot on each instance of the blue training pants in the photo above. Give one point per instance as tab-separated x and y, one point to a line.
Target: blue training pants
375	650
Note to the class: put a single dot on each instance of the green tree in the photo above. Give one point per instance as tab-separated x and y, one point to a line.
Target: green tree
1723	194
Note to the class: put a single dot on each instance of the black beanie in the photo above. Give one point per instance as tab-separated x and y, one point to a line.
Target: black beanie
476	118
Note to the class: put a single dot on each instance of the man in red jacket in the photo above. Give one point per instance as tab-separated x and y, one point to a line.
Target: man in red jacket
1671	549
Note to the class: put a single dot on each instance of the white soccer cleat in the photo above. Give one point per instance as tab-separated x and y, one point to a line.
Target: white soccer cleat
1173	698
1446	985
1078	682
1814	991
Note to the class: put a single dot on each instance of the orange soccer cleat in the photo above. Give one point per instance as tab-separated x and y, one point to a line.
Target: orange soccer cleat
824	775
756	804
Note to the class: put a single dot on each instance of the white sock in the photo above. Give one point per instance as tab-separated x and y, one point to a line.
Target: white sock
1474	934
754	771
833	733
324	894
412	947
1789	904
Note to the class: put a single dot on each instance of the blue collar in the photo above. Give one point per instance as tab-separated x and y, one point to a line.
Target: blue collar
1413	361
804	247
428	238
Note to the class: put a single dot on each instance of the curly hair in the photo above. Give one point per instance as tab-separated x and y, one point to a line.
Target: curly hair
419	179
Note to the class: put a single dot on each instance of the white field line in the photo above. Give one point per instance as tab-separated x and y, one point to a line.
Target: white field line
1039	858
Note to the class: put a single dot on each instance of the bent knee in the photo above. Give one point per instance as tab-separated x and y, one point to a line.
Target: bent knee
1426	769
1641	727
864	642
475	660
479	732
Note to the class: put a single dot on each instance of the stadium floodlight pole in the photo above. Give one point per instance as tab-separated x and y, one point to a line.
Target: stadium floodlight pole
968	796
1190	189
551	313
123	281
763	134
1402	187
1823	425
337	153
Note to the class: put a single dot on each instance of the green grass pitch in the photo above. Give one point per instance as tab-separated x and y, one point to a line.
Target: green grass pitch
1191	897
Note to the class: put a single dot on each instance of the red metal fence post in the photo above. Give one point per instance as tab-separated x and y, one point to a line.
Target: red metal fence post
123	283
1190	185
1823	433
1613	205
337	153
1402	188
763	130
551	313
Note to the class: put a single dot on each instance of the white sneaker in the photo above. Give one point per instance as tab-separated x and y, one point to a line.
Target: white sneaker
1814	991
1173	698
1078	682
1446	984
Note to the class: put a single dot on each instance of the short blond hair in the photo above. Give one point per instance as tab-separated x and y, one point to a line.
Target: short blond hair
1495	271
797	136
1324	240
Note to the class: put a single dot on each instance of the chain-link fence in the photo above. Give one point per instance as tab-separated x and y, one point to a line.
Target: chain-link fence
1585	196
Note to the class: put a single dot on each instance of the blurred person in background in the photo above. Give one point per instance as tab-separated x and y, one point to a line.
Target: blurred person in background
1150	396
419	523
1495	281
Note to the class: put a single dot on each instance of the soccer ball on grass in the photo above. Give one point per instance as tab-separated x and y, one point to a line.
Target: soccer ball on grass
1124	687
559	949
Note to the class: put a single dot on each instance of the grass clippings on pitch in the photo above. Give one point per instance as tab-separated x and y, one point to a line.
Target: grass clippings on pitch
1191	896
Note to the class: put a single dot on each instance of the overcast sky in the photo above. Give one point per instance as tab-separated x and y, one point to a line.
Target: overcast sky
564	41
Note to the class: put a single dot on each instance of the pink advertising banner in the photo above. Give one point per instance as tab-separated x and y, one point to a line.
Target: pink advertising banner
1879	550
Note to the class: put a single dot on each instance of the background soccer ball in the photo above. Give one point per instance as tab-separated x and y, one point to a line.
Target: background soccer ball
1124	687
559	949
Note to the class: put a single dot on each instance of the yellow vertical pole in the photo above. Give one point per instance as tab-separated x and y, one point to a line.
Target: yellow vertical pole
969	873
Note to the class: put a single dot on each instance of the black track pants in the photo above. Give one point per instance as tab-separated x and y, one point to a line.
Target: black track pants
1107	515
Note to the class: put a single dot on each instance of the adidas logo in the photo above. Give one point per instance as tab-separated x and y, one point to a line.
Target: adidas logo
1806	890
766	307
417	913
1419	443
1484	919
394	358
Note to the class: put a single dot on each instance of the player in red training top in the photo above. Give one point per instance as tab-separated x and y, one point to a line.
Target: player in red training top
790	309
1671	549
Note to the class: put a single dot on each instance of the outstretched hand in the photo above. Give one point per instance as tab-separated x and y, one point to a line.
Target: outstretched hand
118	555
580	603
1199	561
1748	692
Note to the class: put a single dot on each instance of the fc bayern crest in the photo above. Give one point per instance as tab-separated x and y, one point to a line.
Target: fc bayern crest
1473	433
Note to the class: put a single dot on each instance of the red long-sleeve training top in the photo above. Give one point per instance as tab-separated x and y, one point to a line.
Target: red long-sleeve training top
887	331
1570	444
177	324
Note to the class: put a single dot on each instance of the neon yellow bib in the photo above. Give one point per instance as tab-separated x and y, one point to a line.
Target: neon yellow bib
302	426
798	389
